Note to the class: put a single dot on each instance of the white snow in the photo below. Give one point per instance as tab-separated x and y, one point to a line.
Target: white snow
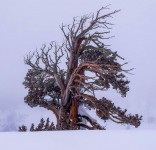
79	140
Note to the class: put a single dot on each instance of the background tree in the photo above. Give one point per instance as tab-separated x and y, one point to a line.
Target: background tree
90	66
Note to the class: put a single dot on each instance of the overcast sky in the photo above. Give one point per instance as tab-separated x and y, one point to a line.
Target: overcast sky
27	24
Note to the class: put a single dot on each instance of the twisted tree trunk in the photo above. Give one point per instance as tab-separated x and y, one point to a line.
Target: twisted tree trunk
67	90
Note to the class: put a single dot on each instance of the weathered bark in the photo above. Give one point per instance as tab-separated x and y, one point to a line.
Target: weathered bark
63	119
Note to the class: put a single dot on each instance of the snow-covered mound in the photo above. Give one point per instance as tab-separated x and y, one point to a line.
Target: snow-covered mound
79	140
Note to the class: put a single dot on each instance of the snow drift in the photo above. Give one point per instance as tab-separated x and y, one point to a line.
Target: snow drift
79	140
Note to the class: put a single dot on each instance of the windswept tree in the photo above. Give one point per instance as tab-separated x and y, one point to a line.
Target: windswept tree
65	78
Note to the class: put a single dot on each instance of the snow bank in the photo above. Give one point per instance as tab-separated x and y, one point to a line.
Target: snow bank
79	140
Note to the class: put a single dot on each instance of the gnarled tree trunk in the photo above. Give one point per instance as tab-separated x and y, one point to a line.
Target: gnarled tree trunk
70	89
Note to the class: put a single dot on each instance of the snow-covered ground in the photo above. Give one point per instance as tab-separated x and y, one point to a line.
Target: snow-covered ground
79	140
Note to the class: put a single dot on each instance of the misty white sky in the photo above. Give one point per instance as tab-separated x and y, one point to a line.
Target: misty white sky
27	24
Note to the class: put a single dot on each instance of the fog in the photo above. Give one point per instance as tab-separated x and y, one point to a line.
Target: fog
26	25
